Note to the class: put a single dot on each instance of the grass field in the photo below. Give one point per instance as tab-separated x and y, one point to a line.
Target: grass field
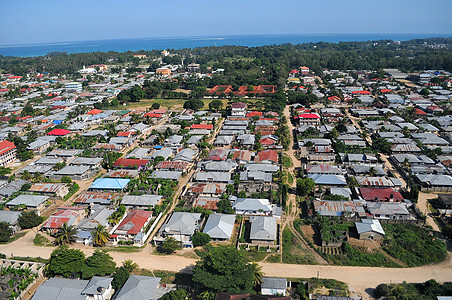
171	104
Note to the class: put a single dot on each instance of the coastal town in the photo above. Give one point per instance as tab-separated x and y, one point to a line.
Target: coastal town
329	184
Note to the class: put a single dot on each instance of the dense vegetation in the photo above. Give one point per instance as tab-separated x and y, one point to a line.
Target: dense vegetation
244	65
413	244
428	290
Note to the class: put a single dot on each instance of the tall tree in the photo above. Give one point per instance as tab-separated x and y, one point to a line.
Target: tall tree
224	269
100	236
65	235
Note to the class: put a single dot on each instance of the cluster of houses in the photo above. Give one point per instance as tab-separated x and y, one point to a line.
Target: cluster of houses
355	180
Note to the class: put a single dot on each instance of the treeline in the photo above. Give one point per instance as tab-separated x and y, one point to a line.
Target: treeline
372	55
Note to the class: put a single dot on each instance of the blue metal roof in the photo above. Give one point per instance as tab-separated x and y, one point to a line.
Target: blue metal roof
110	183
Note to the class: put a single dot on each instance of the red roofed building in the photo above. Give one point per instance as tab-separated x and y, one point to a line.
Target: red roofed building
385	91
23	118
267	142
334	98
58	107
130	163
304	70
59	132
267	156
221	89
124	133
202	126
94	111
254	113
173	166
380	194
153	115
308	119
7	153
361	93
69	216
418	111
133	224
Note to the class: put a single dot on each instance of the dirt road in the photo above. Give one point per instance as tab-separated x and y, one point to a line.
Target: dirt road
359	278
422	205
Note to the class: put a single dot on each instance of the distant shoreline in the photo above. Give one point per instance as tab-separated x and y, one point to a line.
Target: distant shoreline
136	44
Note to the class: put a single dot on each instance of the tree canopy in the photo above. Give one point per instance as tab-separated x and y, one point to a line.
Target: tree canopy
224	269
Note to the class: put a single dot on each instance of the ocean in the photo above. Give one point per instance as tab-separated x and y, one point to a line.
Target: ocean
121	45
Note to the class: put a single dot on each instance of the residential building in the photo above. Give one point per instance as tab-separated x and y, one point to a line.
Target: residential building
7	153
220	226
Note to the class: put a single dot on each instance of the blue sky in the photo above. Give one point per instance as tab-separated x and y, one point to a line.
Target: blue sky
31	21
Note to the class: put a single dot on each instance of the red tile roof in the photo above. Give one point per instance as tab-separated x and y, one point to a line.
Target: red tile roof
59	132
6	146
94	111
153	115
124	133
127	162
361	93
202	126
267	141
309	116
136	218
380	194
176	165
385	91
270	155
254	113
418	111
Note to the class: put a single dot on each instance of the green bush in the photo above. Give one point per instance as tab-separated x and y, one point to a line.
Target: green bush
414	245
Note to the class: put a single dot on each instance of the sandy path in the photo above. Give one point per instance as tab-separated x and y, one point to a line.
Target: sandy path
422	205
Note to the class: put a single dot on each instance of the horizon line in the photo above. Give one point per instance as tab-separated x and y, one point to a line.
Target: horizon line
54	43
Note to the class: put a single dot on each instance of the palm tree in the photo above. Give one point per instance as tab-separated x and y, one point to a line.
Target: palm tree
100	236
26	175
129	265
65	234
114	219
257	278
372	171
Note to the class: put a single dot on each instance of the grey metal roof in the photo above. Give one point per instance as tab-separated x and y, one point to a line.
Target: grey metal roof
89	161
139	288
9	217
28	200
328	179
342	191
61	289
186	154
263	228
224	166
164	152
97	286
72	170
369	225
143	200
138	153
252	204
99	217
436	180
46	160
173	175
213	176
12	187
274	283
262	167
256	176
220	226
182	222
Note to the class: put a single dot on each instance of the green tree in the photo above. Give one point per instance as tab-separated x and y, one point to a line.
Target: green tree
242	194
200	239
155	105
99	264
129	265
66	179
224	269
100	236
170	245
5	232
29	219
305	186
216	105
66	262
5	171
372	171
65	235
179	294
26	175
224	207
119	278
194	104
424	92
382	145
